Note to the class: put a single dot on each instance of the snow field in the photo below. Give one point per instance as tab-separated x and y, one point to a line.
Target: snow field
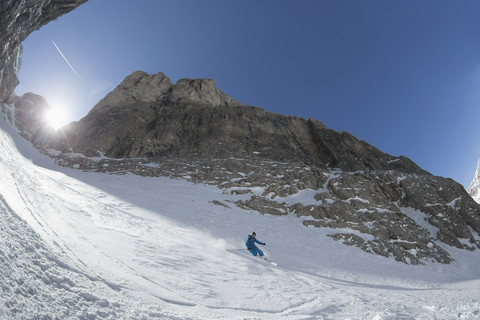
96	246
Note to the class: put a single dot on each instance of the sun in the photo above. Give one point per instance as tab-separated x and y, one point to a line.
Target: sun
56	117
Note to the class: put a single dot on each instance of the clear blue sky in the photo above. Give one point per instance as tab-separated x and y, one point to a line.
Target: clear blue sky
401	75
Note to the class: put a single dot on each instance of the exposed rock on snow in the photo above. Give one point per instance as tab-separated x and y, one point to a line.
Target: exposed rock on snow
193	131
391	215
474	189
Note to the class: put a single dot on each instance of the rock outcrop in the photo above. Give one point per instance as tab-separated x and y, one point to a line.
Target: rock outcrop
275	164
30	117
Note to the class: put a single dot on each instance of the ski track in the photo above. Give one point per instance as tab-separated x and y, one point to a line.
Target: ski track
95	246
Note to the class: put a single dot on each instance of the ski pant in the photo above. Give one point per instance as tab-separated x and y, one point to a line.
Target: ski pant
256	251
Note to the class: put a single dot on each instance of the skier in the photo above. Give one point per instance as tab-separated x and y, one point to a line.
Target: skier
250	244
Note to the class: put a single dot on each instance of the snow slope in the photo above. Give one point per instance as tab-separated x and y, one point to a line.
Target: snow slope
474	188
85	245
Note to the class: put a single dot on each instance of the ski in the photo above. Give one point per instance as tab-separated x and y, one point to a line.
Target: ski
269	261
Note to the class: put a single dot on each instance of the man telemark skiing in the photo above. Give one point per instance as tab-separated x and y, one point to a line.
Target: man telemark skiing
250	244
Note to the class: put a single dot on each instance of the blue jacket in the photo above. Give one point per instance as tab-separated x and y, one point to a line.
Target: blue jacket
250	244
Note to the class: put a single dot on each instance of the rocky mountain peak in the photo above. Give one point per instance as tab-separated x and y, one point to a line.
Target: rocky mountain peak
200	91
141	87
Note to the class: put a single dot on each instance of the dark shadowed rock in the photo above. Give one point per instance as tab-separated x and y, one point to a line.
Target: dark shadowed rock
30	118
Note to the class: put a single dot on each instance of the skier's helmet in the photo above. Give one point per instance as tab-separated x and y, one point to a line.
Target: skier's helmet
253	234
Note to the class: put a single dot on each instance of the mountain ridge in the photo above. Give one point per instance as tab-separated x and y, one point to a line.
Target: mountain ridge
165	113
193	131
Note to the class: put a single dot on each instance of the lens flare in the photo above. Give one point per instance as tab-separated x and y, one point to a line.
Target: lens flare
56	117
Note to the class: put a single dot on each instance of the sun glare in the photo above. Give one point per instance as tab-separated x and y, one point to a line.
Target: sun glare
56	117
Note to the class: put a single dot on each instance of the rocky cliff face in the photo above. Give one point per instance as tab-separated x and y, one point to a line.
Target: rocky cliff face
30	115
380	203
159	118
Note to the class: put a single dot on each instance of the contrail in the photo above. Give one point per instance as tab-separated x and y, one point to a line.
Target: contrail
69	64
